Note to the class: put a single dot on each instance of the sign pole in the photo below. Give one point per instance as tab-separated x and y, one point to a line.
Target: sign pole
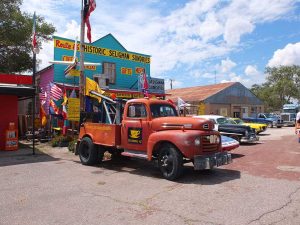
81	77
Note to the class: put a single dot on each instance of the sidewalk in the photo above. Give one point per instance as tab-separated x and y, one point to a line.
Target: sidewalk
24	155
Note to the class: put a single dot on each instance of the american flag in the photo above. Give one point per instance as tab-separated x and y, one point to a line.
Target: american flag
55	92
89	7
43	96
34	41
144	84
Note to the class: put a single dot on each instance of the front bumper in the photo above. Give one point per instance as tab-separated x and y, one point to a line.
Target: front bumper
210	161
250	139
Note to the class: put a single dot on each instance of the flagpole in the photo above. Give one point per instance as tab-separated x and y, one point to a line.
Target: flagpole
82	78
33	102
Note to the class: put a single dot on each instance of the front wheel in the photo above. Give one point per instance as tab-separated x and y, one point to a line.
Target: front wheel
170	162
89	153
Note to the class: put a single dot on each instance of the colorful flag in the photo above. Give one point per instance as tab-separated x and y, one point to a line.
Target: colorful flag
145	86
43	96
73	94
91	85
43	117
70	68
65	98
55	92
181	103
53	108
34	42
64	112
89	7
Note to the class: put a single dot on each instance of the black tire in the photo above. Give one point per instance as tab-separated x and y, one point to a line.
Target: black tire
89	154
170	162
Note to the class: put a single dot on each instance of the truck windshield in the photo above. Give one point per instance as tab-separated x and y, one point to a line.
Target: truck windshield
162	110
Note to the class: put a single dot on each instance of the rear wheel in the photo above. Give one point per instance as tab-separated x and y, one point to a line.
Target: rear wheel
170	162
89	153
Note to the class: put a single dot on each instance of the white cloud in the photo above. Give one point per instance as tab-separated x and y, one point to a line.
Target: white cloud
188	35
235	28
226	66
289	55
45	55
251	76
175	84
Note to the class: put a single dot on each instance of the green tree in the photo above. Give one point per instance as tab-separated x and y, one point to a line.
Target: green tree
15	36
281	87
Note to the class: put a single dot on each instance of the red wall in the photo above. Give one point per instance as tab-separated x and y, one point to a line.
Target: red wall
8	113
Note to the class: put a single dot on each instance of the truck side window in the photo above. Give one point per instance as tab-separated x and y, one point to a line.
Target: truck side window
137	111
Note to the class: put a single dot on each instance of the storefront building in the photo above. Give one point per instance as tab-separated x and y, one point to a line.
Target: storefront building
227	99
119	70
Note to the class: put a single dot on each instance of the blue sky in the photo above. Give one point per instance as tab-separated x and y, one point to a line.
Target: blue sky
191	42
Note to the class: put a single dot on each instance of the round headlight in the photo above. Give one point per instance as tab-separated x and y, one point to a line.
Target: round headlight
197	141
218	139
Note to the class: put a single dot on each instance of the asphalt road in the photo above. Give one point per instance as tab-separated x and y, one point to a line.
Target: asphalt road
261	186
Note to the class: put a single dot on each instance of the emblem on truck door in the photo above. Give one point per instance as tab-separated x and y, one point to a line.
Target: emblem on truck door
134	135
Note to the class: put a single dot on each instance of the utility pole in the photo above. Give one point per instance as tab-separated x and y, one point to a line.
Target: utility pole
215	77
171	83
81	77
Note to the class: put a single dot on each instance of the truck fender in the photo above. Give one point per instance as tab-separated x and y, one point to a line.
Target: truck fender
174	137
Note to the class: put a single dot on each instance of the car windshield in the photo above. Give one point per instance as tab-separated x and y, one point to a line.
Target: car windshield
238	121
224	120
268	115
162	110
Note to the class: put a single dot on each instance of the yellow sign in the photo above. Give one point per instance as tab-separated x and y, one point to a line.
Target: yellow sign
70	58
201	109
69	45
126	71
74	73
73	109
125	95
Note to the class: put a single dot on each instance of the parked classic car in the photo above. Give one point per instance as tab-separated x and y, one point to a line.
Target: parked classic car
267	118
240	133
228	143
259	127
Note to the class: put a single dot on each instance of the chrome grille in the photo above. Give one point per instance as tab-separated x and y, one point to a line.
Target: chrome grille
285	117
205	126
207	146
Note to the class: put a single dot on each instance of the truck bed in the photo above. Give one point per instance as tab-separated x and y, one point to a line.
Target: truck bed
101	133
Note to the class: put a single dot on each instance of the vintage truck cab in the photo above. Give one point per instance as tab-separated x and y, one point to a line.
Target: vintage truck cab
151	129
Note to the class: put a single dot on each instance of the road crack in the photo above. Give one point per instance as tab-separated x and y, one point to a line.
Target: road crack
278	209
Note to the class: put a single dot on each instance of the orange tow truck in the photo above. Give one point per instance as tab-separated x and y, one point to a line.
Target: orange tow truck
150	129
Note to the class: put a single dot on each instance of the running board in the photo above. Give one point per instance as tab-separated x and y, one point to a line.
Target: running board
135	154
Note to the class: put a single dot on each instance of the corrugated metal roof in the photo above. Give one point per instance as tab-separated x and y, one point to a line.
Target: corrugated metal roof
198	93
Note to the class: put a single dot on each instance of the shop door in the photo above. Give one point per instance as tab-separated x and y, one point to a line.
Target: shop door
244	112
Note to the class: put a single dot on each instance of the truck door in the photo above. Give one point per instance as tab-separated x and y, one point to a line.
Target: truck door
135	128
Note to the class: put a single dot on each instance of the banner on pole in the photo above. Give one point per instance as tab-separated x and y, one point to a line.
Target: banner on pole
73	109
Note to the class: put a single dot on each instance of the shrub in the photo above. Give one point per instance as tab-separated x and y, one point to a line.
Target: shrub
61	140
72	145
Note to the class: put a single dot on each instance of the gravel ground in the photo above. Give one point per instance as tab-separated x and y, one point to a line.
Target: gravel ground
261	186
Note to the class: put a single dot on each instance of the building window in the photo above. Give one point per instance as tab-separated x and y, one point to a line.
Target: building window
109	69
